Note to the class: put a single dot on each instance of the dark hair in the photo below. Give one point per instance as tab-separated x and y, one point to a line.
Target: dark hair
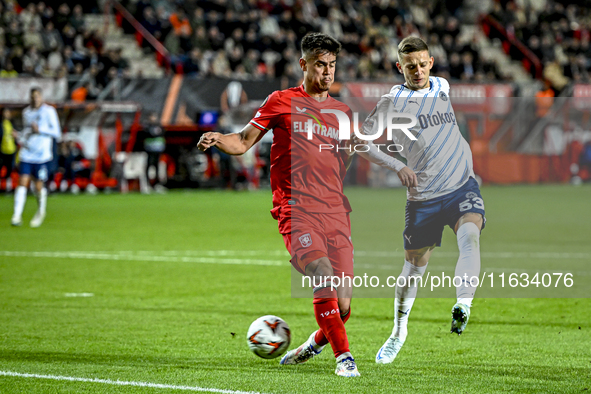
36	89
319	44
410	45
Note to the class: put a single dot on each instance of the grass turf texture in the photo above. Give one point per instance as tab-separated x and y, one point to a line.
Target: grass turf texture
165	303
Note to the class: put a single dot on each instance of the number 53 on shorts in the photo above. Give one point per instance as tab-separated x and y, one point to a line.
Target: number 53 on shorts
468	204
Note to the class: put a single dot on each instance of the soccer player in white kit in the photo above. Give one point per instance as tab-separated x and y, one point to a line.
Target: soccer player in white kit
441	186
41	126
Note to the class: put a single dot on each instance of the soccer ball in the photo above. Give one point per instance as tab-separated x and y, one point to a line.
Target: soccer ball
268	336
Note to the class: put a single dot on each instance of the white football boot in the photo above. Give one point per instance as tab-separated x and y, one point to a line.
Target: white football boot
16	221
346	367
302	354
460	314
389	350
37	219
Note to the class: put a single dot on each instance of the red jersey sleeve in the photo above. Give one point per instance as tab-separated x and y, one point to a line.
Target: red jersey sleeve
269	113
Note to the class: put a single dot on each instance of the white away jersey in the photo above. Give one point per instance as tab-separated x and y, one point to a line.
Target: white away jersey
38	147
440	156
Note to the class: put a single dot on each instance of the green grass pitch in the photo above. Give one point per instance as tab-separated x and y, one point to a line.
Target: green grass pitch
176	280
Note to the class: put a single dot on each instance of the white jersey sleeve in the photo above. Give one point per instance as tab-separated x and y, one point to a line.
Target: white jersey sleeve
50	123
440	156
372	126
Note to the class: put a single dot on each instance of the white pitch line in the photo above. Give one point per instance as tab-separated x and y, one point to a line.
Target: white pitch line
364	253
124	383
491	255
278	253
191	256
146	256
126	256
79	295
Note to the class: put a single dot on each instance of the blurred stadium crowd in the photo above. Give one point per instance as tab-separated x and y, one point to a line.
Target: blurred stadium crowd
558	33
258	39
38	41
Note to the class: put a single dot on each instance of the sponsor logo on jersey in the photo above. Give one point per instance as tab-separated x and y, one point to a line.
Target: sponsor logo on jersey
436	119
302	127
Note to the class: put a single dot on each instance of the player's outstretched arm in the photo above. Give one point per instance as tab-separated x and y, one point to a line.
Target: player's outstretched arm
374	154
232	144
51	125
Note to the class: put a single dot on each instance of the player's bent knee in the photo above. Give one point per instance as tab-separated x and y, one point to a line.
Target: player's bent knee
344	305
344	290
319	267
23	180
418	257
470	217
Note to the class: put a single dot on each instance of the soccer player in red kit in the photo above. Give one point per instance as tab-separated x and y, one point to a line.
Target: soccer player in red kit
307	184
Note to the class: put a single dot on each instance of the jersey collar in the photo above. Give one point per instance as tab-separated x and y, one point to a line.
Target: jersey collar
423	91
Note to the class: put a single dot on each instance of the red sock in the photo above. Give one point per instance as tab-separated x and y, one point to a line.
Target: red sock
320	338
328	317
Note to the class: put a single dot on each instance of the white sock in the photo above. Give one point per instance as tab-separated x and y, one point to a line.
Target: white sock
343	356
20	196
313	342
405	298
42	200
469	261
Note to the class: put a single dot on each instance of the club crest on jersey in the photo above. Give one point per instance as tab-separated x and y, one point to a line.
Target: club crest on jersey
471	195
443	96
306	240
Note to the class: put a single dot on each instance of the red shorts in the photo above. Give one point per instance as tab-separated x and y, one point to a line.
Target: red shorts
328	234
